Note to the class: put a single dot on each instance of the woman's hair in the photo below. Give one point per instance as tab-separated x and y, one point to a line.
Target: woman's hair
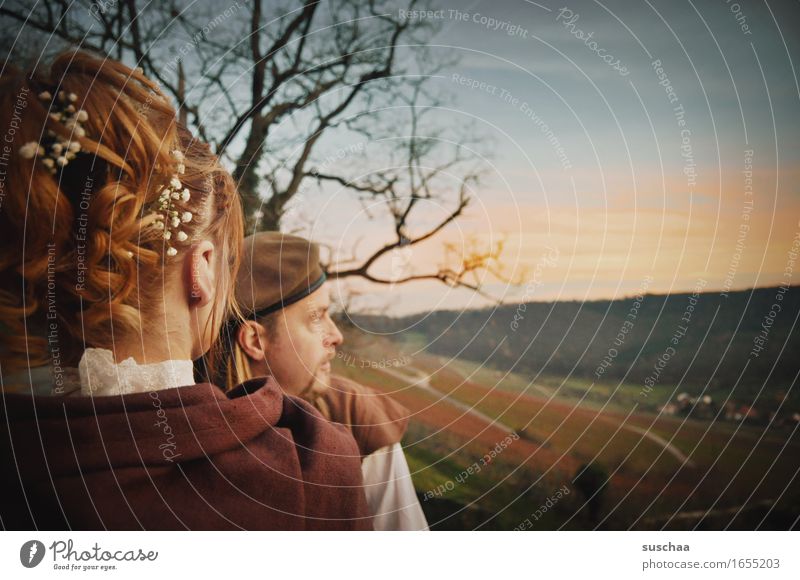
81	249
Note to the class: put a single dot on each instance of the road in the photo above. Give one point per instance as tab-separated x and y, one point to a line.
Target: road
422	381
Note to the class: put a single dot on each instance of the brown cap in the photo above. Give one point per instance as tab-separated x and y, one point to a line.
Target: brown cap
277	270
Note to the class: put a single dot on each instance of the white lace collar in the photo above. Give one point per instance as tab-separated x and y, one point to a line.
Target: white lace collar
101	376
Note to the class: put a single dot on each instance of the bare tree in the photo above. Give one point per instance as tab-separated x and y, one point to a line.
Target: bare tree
272	88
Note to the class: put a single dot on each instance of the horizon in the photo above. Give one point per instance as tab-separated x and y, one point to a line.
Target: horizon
791	287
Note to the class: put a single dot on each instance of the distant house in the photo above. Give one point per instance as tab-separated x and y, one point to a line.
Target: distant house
685	404
670	409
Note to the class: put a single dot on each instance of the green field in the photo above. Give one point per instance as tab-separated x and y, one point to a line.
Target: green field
659	471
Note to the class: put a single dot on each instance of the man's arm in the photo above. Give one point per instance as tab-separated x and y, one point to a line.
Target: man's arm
390	491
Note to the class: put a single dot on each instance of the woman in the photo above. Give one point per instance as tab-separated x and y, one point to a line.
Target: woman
121	238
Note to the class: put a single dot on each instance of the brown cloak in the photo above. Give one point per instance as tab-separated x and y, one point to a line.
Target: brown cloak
183	458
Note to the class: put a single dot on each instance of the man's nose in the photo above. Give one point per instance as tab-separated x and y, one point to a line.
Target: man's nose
333	337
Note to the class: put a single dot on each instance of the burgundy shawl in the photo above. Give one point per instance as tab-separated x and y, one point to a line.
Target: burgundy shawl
183	458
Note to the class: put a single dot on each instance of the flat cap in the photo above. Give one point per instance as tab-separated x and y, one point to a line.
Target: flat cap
277	270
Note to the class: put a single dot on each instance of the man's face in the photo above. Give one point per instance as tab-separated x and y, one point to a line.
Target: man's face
303	343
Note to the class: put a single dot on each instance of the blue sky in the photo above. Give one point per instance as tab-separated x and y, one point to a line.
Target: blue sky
622	204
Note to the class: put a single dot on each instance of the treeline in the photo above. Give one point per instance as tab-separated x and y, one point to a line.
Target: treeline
747	336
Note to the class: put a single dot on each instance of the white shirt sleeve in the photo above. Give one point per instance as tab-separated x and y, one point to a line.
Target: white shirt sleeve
390	491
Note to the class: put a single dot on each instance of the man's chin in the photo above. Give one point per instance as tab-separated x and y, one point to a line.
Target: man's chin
323	379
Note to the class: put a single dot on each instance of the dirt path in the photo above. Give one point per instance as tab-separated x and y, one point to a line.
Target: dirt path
669	447
423	382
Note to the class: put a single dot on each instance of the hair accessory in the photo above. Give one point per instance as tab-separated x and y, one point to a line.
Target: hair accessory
169	216
57	151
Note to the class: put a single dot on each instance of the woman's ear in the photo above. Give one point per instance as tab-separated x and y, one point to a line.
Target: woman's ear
253	340
200	274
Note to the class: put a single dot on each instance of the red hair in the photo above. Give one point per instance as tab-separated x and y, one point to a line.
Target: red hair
78	248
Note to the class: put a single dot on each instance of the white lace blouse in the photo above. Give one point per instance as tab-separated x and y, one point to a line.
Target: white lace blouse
100	375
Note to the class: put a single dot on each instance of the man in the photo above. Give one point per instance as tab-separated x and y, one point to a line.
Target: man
288	334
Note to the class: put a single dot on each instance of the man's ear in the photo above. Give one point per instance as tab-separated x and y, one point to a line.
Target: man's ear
253	340
200	274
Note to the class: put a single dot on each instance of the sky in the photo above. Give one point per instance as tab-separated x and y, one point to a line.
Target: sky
620	142
649	143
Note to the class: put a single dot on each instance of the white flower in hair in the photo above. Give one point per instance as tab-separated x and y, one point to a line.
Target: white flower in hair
30	149
169	217
56	151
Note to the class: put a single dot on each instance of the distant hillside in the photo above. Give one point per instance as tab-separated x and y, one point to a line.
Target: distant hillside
655	339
